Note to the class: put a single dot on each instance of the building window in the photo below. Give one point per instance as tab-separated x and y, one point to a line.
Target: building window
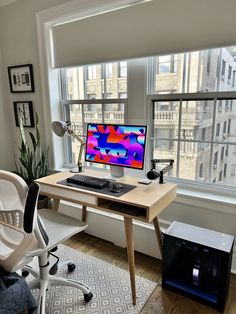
222	153
225	170
205	106
229	74
122	69
108	67
220	177
208	66
223	68
201	170
227	105
220	106
224	127
229	126
167	64
233	170
92	72
218	130
203	134
215	160
233	80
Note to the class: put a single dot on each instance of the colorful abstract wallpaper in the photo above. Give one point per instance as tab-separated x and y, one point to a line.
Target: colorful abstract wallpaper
118	145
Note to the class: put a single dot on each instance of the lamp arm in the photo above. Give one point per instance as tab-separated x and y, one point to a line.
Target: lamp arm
75	136
79	162
82	144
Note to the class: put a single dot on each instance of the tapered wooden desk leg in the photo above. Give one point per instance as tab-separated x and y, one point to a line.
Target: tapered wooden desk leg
158	234
130	253
84	213
55	203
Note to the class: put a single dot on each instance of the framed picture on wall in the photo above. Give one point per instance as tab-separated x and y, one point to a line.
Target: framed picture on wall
24	110
21	78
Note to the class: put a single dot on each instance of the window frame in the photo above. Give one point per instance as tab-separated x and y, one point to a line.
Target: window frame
181	97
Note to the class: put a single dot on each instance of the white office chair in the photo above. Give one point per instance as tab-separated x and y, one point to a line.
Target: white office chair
26	232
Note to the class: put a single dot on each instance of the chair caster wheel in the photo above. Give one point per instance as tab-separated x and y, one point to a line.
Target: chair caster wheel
71	267
88	297
24	273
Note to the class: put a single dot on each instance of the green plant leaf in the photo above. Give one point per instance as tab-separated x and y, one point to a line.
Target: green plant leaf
32	162
33	140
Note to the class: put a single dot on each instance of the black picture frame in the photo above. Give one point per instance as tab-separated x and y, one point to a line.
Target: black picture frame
24	110
21	78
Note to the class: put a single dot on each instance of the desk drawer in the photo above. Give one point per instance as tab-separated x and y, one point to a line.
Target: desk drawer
69	195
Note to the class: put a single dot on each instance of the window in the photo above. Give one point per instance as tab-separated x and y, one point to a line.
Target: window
90	96
196	133
183	132
188	109
190	72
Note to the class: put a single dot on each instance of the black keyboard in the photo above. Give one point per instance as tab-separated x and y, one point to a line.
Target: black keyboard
88	181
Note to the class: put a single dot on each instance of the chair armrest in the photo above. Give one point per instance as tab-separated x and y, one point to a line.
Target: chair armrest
30	206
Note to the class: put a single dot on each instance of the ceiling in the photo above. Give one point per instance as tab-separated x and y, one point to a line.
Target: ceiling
6	2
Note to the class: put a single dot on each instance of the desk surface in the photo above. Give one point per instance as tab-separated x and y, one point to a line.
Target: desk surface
151	199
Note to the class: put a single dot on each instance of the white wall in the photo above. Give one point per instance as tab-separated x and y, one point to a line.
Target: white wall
18	45
6	147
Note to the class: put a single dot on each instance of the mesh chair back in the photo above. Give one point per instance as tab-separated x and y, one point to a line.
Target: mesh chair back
19	231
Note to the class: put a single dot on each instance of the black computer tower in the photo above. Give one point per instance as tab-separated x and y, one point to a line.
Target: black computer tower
197	263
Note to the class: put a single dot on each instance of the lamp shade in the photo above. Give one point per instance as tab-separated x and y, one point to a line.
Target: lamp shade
59	128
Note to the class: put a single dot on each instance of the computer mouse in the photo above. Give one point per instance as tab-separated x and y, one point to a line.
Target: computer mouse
116	187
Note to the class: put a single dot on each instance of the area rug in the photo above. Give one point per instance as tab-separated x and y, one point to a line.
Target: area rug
109	284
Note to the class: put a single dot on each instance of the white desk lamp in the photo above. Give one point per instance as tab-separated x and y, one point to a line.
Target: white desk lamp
60	128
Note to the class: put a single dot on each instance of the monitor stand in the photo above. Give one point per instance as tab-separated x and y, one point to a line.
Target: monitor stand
116	173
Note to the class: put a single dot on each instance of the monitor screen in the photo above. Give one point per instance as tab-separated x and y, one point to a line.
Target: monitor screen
116	145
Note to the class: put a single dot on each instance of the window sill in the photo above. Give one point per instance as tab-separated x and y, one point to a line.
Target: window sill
206	196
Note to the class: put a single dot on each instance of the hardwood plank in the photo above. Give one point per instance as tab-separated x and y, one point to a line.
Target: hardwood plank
161	301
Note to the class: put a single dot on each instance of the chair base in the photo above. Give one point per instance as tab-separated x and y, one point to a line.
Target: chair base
43	280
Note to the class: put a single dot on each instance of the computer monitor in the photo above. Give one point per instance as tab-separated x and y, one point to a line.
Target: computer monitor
116	145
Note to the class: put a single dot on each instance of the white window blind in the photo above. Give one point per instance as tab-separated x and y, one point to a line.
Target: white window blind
150	28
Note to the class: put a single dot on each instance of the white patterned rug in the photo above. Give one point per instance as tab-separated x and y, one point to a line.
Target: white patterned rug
109	284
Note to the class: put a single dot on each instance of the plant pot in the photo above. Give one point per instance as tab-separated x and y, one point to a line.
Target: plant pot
42	202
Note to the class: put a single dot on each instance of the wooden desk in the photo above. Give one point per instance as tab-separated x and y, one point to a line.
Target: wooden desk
146	200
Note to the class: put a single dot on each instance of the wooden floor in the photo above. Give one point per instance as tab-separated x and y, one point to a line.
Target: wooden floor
161	301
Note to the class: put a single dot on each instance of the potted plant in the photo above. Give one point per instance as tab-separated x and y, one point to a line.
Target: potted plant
33	161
